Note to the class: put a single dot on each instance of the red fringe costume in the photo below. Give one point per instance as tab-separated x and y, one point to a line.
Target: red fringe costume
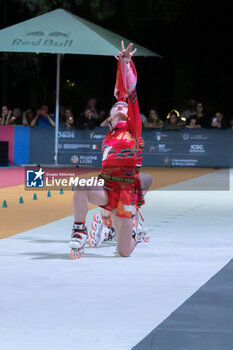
122	150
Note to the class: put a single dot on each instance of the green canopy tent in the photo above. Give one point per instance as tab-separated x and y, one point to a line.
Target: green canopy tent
61	32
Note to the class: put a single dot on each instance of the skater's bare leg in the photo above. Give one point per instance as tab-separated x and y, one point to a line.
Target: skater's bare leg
80	205
146	182
105	212
124	229
82	195
106	217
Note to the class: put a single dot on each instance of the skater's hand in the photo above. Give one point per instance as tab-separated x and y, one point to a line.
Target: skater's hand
126	53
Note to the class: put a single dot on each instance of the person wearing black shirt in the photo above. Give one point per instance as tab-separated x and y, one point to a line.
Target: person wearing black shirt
219	121
86	120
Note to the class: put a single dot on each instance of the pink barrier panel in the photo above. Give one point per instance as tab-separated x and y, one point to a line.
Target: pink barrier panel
12	177
7	134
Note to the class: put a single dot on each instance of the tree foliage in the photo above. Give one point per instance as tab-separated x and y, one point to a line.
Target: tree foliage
191	35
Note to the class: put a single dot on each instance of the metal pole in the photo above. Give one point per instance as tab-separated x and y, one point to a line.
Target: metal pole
4	58
57	107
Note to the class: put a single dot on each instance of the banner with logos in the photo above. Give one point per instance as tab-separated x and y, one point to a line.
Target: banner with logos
185	148
188	148
84	152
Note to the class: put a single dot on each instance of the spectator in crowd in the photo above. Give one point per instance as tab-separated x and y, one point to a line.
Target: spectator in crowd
104	123
102	117
173	122
91	104
193	123
191	109
43	118
231	123
62	118
6	115
17	117
219	121
86	120
69	118
28	116
201	115
144	120
153	120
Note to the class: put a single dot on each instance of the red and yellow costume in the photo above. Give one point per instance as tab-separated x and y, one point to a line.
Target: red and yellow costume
122	148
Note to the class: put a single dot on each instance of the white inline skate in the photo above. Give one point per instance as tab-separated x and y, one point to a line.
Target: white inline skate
103	231
141	232
78	239
100	232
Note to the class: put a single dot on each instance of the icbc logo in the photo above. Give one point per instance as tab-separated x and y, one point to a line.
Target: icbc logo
197	148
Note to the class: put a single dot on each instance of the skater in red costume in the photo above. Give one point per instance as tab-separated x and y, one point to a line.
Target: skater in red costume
122	190
102	226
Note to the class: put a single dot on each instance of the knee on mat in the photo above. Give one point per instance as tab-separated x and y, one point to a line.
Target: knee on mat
125	253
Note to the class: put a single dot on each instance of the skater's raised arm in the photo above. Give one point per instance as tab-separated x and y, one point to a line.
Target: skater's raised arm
126	88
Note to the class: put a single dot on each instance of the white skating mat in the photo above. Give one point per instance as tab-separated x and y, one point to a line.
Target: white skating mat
102	301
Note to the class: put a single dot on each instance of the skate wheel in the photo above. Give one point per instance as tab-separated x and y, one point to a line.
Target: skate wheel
94	225
92	233
97	218
146	239
75	254
106	235
91	242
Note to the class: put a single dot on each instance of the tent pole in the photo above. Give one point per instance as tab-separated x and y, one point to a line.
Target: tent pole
57	107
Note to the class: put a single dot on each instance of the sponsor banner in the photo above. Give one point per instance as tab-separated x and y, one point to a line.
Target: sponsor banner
185	148
188	148
81	147
176	148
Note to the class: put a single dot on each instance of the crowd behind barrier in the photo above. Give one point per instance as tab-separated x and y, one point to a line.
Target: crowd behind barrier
201	141
193	116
